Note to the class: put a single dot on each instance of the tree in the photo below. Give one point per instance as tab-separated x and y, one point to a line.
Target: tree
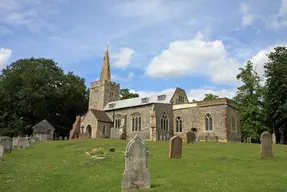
209	97
249	98
35	89
126	94
275	95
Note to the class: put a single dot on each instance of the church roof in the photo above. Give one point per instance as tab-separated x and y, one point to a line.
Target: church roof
101	115
43	125
140	101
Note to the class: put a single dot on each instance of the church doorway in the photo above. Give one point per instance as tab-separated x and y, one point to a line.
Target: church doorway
89	130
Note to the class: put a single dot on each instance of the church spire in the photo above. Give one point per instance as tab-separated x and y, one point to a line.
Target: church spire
106	72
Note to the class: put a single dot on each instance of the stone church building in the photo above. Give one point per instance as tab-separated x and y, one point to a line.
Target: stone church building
158	117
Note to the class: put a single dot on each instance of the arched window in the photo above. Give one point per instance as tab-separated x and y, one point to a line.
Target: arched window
111	94
89	130
136	122
178	124
104	129
118	121
164	122
208	123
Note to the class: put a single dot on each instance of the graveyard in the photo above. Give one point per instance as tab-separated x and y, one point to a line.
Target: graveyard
204	166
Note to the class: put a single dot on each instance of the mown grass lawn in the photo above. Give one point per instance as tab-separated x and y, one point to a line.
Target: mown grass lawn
63	166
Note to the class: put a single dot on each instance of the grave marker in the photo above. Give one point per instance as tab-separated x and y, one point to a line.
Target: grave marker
266	145
175	147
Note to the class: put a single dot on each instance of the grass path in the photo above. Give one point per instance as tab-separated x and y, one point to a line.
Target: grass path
63	166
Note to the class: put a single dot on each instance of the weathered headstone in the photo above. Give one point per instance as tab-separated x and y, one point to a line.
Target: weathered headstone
23	143
136	174
191	137
7	142
15	141
1	152
175	147
266	145
273	138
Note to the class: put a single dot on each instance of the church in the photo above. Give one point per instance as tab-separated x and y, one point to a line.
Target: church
158	117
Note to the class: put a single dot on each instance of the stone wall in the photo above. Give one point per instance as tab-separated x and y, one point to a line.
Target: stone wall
100	93
103	130
160	109
90	119
194	117
145	113
234	133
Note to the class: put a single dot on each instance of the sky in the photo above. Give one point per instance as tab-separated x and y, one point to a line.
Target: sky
154	45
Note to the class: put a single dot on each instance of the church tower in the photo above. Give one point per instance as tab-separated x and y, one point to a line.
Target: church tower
104	90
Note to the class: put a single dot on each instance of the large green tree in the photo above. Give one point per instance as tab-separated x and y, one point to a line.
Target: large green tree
275	95
249	97
35	89
209	97
126	94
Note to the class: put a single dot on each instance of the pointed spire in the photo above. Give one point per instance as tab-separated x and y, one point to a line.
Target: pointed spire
106	72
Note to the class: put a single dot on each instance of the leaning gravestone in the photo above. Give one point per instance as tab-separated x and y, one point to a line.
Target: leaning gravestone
136	174
175	147
266	145
7	142
1	152
191	137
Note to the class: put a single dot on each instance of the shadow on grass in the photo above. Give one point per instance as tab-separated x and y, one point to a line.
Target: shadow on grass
154	186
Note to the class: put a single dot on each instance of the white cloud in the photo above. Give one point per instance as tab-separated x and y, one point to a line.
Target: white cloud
196	94
247	18
283	8
196	56
5	55
116	77
123	58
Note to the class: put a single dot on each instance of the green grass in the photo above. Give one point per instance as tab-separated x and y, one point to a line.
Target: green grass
63	166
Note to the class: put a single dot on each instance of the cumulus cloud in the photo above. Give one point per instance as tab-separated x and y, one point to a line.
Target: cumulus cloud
195	56
116	77
123	58
192	94
247	18
5	55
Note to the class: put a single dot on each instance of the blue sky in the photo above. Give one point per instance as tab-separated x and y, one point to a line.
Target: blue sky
154	45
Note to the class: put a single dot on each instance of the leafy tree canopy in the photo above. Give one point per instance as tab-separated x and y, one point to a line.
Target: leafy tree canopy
35	89
126	94
209	97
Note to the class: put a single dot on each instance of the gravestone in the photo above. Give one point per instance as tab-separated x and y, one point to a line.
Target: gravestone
191	137
273	138
7	142
136	174
15	141
175	147
266	145
1	152
23	143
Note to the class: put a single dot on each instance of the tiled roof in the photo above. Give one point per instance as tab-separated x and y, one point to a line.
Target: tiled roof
139	101
101	115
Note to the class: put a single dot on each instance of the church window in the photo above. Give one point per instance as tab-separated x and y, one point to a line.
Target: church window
111	94
164	122
161	97
178	124
104	129
118	121
180	98
112	105
208	123
136	122
145	100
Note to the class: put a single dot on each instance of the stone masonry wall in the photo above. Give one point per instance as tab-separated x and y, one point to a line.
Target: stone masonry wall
103	130
175	98
100	94
194	117
144	111
159	109
234	133
90	119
